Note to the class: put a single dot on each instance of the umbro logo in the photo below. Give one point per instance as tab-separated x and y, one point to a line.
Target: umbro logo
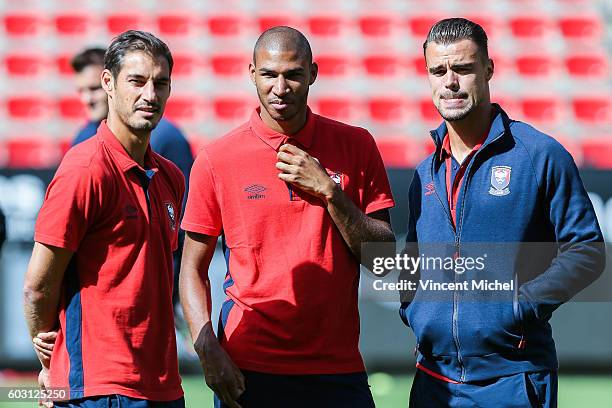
255	192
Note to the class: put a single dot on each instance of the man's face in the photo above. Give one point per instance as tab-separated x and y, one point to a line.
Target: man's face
139	93
459	78
282	79
91	93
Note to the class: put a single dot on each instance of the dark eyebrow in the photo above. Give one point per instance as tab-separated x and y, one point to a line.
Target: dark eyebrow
436	68
142	77
466	65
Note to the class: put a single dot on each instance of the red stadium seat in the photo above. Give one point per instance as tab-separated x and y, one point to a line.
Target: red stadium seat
542	110
25	65
185	64
334	65
120	22
33	152
384	65
62	63
272	20
489	23
233	108
342	108
183	108
539	65
32	107
581	27
420	25
175	24
587	65
400	151
230	65
597	151
530	26
4	154
419	67
428	111
325	25
71	108
388	109
593	110
227	25
23	24
68	24
377	25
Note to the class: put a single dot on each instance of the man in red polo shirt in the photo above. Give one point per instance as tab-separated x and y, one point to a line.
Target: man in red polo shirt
101	268
294	196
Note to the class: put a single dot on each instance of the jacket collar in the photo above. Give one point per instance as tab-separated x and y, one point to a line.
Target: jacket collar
120	155
275	139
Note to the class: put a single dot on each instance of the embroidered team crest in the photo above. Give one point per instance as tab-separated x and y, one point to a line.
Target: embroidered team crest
171	215
500	180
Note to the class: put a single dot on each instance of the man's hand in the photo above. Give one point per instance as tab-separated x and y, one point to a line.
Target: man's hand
43	344
43	383
305	172
221	374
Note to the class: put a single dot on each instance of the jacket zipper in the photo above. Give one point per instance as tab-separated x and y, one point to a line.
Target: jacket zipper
457	234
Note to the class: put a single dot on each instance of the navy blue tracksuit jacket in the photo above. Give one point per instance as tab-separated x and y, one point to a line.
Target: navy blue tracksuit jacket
523	203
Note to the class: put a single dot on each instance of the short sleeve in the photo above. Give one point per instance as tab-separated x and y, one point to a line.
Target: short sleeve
202	212
68	209
377	191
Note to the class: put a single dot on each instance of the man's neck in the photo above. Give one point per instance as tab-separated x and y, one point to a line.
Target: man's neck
134	144
466	133
289	127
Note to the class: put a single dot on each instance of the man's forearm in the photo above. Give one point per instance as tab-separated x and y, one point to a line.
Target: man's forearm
355	226
40	310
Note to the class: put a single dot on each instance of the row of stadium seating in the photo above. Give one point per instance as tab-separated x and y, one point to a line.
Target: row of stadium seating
581	65
547	110
398	151
586	27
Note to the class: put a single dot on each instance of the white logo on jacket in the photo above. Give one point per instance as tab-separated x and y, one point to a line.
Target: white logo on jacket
500	180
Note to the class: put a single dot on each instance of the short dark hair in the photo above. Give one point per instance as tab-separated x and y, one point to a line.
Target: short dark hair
87	57
134	40
451	30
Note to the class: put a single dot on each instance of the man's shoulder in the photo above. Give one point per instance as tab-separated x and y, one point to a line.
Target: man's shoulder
341	129
235	139
535	141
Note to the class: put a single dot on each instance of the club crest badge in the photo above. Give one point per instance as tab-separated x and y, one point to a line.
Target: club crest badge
500	180
171	215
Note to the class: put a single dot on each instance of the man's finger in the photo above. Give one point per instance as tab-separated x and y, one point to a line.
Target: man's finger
44	352
226	396
287	158
47	336
286	168
43	344
291	149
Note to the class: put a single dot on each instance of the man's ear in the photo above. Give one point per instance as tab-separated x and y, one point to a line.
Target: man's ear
490	69
314	71
252	72
108	82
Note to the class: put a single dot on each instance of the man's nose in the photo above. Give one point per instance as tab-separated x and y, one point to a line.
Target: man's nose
280	86
451	80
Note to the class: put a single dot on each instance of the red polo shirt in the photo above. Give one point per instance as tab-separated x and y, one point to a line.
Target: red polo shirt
116	324
292	282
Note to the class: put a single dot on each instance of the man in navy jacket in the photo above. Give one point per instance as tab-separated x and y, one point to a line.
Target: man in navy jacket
510	198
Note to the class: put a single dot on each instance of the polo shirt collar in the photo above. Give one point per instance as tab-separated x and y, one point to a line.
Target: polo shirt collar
275	139
123	159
